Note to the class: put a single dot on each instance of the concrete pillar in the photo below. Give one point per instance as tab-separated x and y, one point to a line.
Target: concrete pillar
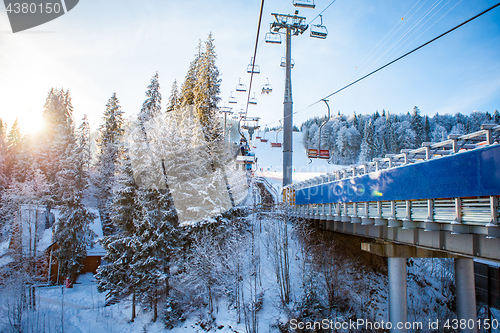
466	292
398	311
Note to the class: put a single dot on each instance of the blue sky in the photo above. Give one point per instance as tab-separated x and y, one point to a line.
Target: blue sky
101	47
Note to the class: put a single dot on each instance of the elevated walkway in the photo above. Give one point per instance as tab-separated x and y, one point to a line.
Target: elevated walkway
439	200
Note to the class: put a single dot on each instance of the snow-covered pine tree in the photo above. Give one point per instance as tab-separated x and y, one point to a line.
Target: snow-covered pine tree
427	130
4	177
206	94
158	236
175	99
152	105
13	147
73	234
187	88
368	148
119	276
417	126
83	139
57	136
110	145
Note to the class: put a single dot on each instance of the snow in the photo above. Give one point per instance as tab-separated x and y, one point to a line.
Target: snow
270	160
96	226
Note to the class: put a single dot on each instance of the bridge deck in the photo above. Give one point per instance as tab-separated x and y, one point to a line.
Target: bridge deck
441	196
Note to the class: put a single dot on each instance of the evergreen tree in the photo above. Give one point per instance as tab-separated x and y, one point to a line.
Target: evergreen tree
83	137
13	148
73	234
175	99
158	237
417	126
110	144
119	276
188	87
496	117
4	178
368	148
57	136
152	105
206	92
427	130
392	146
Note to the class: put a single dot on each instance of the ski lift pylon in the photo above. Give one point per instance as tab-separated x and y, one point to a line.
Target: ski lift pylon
304	3
253	68
241	87
318	30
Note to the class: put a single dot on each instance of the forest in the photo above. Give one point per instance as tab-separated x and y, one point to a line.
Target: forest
179	229
360	138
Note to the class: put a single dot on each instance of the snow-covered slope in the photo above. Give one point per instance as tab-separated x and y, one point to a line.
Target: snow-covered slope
270	160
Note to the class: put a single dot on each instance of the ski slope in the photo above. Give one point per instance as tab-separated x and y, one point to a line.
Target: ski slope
270	160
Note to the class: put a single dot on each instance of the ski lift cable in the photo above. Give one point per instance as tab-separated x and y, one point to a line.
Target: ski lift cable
254	55
377	55
374	51
436	21
399	22
399	41
416	30
331	3
404	55
397	59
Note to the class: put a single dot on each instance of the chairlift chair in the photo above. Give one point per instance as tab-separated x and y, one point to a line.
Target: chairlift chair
273	38
276	144
241	87
250	122
255	69
312	153
283	62
253	100
232	99
267	88
318	30
324	154
263	139
304	3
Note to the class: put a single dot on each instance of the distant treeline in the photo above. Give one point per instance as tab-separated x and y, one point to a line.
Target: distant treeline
360	138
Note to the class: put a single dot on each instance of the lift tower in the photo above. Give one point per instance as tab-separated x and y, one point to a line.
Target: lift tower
290	25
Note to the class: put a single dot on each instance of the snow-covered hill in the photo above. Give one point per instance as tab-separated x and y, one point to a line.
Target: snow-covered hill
270	160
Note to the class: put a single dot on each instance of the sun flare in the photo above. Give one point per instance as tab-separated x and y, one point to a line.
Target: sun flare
30	123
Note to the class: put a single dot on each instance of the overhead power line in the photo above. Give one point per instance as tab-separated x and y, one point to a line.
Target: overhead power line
331	3
404	55
393	61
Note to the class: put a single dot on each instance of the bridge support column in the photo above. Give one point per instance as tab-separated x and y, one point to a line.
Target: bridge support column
398	311
466	292
396	255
